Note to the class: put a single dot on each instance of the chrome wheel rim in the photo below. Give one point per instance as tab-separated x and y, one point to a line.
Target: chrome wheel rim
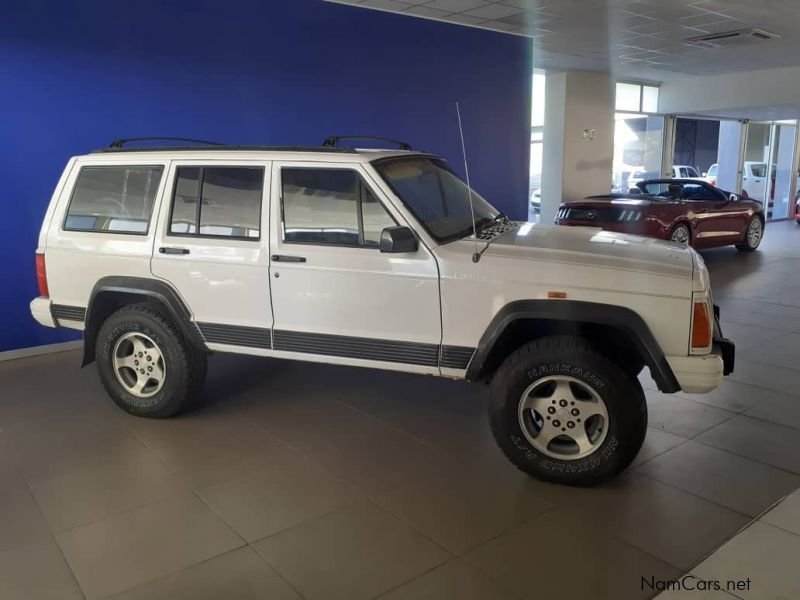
754	233
680	235
138	365
563	417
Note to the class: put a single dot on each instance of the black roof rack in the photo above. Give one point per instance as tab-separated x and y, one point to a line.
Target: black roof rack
225	147
333	141
120	143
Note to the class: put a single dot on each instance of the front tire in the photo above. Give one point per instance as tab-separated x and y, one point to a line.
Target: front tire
145	364
753	236
564	413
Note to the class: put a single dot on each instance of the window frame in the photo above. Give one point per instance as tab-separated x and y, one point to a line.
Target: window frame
359	209
197	234
81	169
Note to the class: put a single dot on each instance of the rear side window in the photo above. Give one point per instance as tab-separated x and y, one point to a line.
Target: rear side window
113	199
330	206
222	202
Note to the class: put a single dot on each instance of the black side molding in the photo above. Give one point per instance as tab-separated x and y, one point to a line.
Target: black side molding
109	293
574	311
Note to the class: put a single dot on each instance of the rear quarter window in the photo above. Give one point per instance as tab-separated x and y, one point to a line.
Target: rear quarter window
113	199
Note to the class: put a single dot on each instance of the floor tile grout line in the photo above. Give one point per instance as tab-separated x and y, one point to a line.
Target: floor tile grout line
54	538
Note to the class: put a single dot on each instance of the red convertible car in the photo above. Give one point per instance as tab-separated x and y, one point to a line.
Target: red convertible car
686	211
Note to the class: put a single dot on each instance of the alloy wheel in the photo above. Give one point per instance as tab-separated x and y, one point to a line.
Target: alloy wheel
754	232
138	364
680	235
563	417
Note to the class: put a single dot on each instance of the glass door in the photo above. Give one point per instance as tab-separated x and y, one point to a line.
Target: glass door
783	156
758	172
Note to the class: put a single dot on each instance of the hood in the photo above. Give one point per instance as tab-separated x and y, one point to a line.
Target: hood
589	246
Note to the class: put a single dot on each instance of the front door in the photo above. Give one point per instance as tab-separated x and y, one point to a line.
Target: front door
719	221
335	295
212	246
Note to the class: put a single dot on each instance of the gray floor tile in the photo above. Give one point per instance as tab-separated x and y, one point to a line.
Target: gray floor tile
36	572
673	525
131	548
760	440
694	594
750	336
57	446
21	520
237	575
558	556
285	494
656	442
455	580
727	479
459	510
679	416
202	463
771	377
783	409
780	351
731	395
763	553
354	553
84	496
786	515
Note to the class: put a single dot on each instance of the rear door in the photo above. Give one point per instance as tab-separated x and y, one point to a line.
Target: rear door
212	246
335	296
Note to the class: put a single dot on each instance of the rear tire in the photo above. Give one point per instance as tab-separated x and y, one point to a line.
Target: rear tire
146	365
592	416
752	236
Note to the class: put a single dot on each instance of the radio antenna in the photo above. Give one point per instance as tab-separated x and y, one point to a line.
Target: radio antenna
477	255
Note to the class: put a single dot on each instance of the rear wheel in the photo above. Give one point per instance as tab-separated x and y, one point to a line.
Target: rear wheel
753	235
680	234
145	364
564	413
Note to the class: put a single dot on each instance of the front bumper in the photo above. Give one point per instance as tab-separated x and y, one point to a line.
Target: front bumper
702	373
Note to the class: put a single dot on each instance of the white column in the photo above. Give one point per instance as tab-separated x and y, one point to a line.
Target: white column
578	138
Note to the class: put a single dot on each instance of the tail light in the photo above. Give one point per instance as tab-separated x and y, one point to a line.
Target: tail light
701	327
41	275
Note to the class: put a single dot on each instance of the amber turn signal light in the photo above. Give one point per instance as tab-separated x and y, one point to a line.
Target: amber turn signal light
701	326
556	294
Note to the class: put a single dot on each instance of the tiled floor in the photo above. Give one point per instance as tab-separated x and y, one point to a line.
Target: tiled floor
310	481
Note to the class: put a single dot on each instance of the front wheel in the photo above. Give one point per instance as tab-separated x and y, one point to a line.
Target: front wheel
564	413
753	236
145	364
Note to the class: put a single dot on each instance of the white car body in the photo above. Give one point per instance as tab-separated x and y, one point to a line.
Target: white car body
377	306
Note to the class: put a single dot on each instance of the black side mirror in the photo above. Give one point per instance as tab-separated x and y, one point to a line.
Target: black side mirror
398	239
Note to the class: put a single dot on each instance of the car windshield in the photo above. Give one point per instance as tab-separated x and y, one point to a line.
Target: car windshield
436	196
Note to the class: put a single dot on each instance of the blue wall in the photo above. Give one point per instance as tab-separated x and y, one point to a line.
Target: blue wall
73	76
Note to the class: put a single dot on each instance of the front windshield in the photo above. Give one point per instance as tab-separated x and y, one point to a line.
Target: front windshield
436	196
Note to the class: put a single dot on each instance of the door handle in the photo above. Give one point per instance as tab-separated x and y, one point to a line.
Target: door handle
168	250
285	258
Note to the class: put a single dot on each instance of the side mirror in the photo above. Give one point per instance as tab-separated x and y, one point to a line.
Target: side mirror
398	239
733	198
705	174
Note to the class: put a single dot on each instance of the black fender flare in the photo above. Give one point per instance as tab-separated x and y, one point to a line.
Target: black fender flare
624	319
137	289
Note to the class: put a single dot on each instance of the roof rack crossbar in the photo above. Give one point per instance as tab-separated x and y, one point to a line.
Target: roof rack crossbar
333	141
120	143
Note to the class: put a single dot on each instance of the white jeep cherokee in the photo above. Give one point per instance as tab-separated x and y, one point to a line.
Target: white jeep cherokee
367	258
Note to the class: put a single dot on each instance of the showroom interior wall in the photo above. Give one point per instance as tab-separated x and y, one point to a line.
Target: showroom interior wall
75	76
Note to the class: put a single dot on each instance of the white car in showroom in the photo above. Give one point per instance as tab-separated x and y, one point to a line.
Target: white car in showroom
372	258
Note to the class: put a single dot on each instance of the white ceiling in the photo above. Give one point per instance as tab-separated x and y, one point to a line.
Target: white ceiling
643	39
